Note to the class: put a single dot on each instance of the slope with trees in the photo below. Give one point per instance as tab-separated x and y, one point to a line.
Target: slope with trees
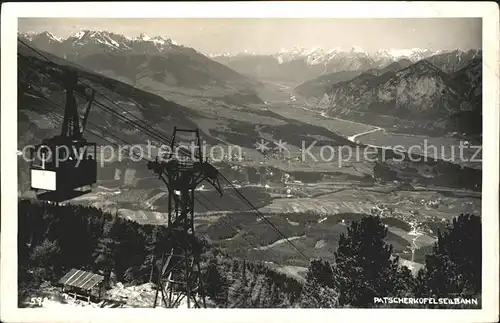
364	268
54	239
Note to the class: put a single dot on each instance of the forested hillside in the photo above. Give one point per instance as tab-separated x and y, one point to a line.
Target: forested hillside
54	239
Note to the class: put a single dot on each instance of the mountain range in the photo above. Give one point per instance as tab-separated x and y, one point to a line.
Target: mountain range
410	90
87	42
299	65
322	84
296	65
157	64
417	97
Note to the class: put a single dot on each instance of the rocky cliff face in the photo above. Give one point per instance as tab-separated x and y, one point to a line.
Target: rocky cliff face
418	96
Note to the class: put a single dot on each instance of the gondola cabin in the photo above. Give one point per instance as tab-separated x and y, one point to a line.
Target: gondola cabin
63	165
67	162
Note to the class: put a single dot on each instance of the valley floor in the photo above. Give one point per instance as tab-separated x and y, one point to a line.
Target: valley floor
313	222
446	148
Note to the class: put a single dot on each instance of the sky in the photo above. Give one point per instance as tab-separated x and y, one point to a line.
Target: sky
266	35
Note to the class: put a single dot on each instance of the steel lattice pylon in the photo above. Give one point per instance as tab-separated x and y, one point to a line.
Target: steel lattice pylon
179	273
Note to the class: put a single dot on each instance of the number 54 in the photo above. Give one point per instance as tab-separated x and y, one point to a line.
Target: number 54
36	301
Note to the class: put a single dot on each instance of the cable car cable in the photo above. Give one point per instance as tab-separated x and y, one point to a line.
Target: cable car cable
240	195
200	194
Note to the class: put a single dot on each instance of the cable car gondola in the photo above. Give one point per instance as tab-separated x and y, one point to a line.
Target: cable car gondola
61	166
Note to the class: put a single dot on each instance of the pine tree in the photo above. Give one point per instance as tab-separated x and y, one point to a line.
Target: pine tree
245	290
235	285
421	283
274	295
454	266
258	292
364	266
265	300
284	301
321	272
318	291
404	285
150	249
315	295
44	258
215	284
107	247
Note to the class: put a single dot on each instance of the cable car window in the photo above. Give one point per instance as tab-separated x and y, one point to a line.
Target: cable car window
90	152
42	157
62	152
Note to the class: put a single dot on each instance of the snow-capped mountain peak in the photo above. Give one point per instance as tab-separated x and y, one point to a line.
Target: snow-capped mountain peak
79	34
26	35
414	54
144	37
88	41
160	40
355	58
84	37
50	36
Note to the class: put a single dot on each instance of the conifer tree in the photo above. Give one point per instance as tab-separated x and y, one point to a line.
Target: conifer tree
364	265
107	247
235	285
215	283
318	291
321	272
244	292
315	295
454	266
45	258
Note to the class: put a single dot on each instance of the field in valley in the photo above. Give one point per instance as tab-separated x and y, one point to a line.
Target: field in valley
342	127
444	148
312	215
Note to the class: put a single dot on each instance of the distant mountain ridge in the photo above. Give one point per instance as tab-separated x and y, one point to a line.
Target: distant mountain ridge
88	41
156	63
300	65
315	56
317	87
297	64
420	97
417	86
